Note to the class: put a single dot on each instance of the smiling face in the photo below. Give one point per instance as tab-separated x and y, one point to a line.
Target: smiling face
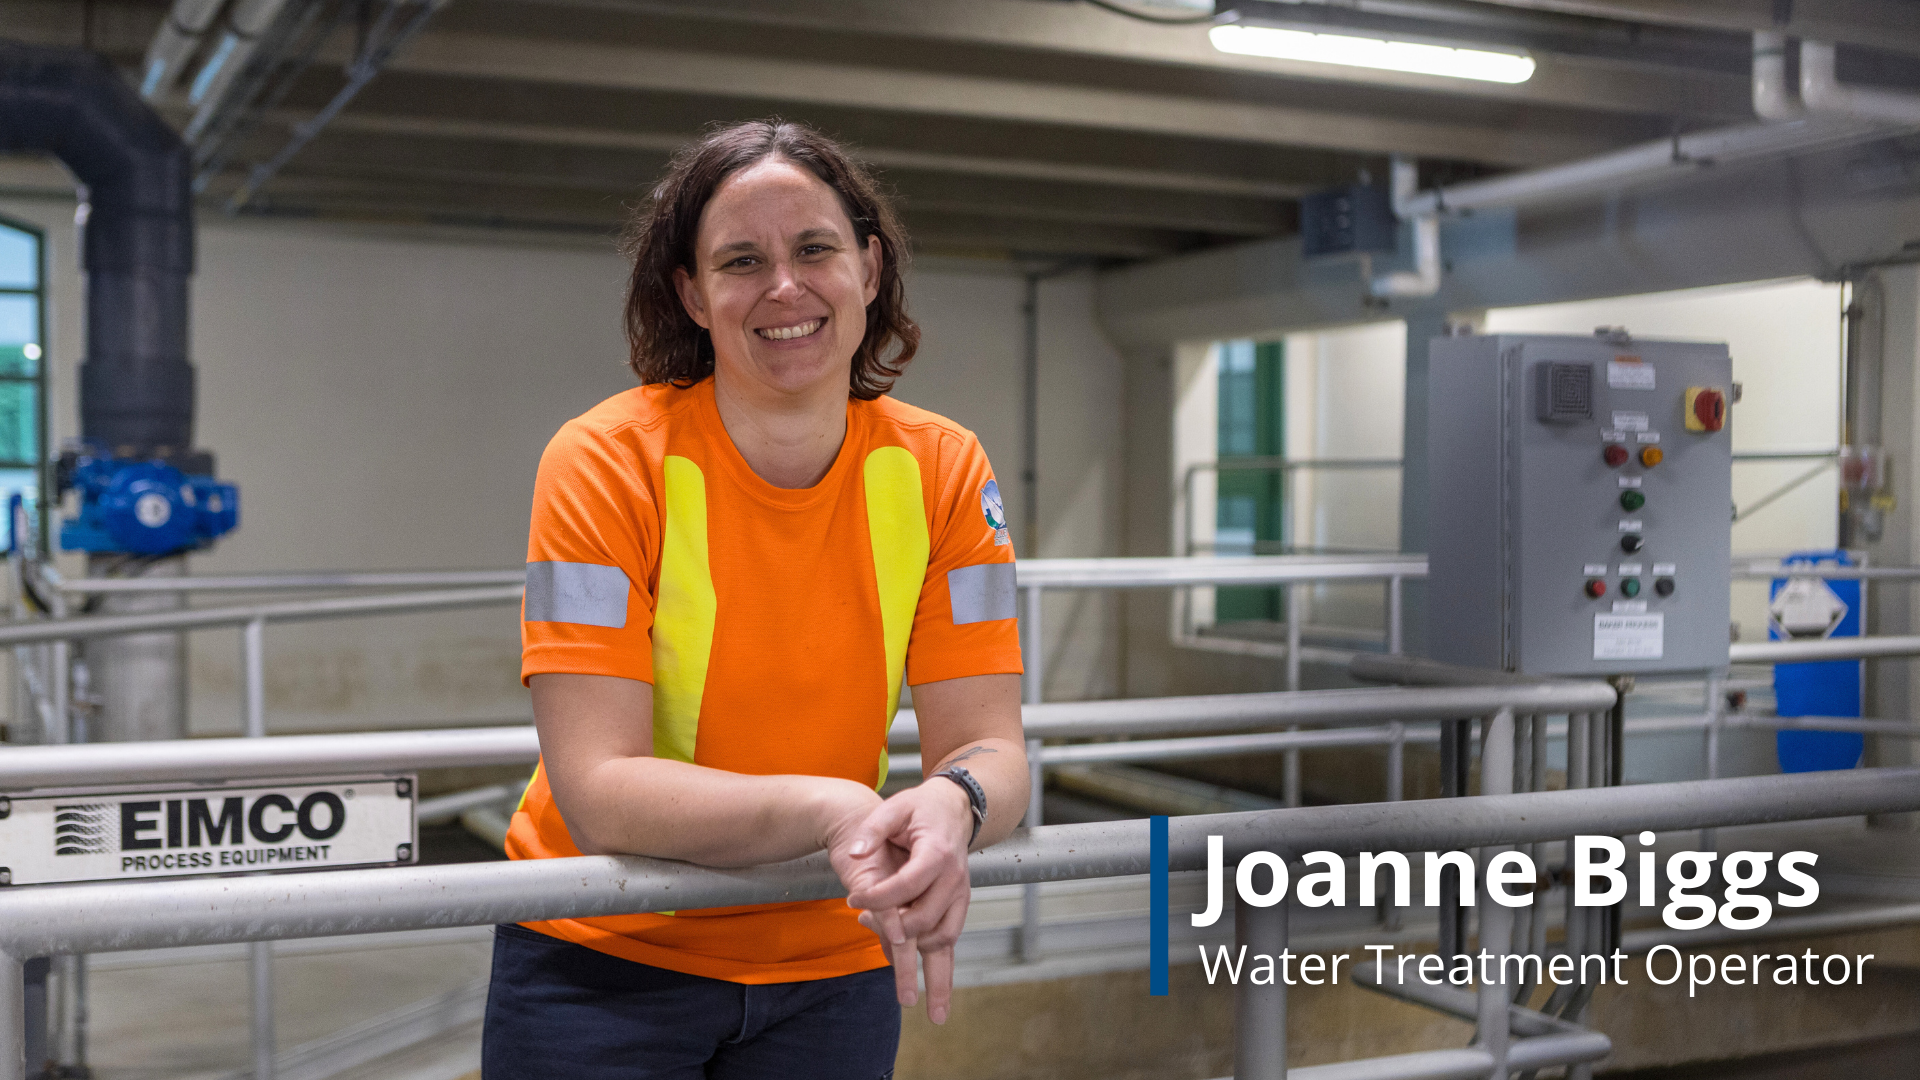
779	281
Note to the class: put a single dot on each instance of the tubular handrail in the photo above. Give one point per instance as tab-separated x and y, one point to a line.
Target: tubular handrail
60	919
1126	572
313	755
92	626
1162	572
75	764
346	579
1849	648
1240	712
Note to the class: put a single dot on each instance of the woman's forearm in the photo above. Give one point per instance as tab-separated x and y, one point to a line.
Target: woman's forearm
674	810
1000	765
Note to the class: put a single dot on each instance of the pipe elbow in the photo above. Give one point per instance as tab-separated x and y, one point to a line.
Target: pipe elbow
1825	94
1773	96
1424	278
1820	87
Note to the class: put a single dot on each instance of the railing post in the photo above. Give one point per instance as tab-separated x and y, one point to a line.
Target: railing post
1290	774
1497	761
1033	658
253	676
1030	893
1716	704
260	967
1396	761
1032	683
13	1018
1260	1012
1293	635
1396	642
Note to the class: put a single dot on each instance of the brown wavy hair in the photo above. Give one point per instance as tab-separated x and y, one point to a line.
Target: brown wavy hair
663	341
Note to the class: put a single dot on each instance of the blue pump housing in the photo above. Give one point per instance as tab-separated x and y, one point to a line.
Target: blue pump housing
141	507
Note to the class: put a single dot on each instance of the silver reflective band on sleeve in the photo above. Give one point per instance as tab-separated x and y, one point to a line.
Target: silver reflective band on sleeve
981	593
573	592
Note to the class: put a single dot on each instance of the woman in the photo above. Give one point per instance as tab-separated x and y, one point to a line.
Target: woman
731	570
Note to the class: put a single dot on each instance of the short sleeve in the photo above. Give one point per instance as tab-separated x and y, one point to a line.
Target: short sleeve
592	539
966	622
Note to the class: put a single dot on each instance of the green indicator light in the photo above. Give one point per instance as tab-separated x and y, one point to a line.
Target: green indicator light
1630	587
1632	500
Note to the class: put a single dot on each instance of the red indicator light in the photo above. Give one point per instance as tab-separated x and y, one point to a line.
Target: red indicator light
1615	455
1596	588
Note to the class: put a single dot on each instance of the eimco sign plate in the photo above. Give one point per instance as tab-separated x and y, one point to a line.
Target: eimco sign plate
173	830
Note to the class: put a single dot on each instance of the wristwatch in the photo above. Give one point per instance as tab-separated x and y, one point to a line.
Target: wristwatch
976	796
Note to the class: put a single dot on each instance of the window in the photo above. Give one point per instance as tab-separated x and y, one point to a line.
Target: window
23	368
1250	509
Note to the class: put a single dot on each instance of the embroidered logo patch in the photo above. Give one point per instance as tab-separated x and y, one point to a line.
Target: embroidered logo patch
996	513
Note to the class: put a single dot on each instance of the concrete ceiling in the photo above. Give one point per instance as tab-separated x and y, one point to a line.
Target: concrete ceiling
1026	128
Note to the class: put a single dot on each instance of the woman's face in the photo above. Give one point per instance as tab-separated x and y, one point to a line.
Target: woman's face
779	281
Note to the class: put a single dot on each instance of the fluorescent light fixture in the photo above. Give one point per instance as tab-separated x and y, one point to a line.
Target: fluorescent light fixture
1365	52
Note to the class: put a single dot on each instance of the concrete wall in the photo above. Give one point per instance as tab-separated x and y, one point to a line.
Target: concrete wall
382	400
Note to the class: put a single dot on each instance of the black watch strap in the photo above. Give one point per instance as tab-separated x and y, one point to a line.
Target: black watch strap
976	796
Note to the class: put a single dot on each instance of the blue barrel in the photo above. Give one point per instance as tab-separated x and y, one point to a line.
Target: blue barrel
1826	688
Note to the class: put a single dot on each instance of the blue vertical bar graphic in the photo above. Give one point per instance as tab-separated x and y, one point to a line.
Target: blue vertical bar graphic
1157	935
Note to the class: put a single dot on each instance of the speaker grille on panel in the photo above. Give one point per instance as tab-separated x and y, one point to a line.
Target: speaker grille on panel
1563	393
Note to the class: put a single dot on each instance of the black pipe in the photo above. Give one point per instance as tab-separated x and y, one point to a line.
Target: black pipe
136	385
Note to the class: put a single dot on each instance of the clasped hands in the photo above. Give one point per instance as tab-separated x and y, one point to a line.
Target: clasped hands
904	863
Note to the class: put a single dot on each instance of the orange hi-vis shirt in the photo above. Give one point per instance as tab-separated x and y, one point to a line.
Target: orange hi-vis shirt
775	625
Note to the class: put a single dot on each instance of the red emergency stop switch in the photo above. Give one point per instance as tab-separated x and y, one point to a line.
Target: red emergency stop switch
1615	455
1706	409
1596	588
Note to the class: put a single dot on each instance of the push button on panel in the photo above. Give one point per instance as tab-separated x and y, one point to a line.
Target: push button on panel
1596	588
1632	500
1664	586
1630	587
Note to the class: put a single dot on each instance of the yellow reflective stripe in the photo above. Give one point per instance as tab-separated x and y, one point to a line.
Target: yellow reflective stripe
897	530
525	791
683	614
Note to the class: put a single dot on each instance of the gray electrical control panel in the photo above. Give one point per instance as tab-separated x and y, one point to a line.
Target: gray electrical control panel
1580	503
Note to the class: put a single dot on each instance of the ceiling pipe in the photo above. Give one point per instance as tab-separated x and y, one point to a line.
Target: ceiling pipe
1824	94
1424	278
247	23
186	26
1774	95
1830	115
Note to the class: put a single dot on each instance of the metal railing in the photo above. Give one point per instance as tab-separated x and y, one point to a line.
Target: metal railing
60	920
457	589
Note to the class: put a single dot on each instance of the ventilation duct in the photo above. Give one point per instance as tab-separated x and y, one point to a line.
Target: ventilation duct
136	210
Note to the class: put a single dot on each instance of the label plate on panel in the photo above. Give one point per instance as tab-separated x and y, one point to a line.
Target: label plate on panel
1630	421
1629	637
133	831
1629	374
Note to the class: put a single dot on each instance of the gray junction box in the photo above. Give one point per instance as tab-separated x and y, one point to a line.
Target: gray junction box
1580	504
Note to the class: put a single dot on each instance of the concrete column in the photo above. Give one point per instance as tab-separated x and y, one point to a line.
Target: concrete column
1423	325
1147	513
141	679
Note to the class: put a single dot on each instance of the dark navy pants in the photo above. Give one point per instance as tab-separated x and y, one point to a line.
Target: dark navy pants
564	1011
